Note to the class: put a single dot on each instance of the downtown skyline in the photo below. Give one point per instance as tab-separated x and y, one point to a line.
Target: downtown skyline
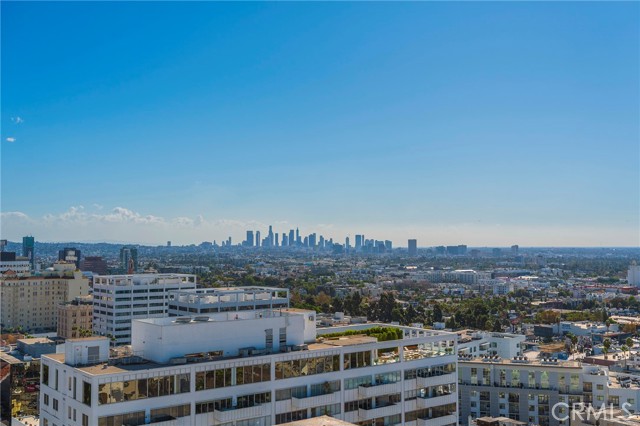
485	123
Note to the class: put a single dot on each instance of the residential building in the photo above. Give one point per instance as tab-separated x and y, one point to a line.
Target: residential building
259	368
31	302
117	299
75	318
542	391
18	265
211	300
412	247
483	343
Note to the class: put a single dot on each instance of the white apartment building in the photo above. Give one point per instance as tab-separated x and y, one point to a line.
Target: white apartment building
211	300
528	390
254	368
118	299
633	274
484	343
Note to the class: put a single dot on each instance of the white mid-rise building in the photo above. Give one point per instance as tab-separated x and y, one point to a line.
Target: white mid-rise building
119	299
633	274
484	343
541	392
254	368
211	300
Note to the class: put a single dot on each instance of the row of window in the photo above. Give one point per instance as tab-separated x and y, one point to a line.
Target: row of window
307	366
224	404
223	377
109	393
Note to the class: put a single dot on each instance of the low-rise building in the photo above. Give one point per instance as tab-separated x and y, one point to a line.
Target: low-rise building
211	300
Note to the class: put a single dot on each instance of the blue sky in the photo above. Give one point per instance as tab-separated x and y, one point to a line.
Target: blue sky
481	123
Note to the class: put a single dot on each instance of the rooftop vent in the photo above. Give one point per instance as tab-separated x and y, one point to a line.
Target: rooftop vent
183	320
201	319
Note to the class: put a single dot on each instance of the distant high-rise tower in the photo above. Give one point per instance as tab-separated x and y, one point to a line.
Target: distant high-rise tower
514	249
28	250
277	240
168	243
291	237
70	254
129	259
413	247
270	236
358	241
258	240
249	241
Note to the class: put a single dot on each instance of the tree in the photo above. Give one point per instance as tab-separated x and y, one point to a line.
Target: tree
624	349
497	326
606	345
437	313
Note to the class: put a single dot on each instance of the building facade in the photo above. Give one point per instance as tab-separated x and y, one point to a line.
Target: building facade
31	302
75	318
118	299
94	264
541	392
9	262
255	368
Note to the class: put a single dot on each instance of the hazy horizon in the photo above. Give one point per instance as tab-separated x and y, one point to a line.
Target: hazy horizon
478	123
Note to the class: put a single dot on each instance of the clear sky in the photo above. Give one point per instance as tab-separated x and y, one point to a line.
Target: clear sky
451	122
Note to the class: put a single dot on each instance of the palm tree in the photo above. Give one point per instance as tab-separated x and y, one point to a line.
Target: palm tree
624	348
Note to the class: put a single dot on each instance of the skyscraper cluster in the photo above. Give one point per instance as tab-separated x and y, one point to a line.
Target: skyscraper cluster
293	239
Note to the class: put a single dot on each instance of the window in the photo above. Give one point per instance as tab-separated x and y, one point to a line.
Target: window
45	374
86	393
357	360
55	404
46	399
85	420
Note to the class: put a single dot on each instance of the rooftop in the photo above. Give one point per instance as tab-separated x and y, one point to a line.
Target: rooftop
519	360
319	421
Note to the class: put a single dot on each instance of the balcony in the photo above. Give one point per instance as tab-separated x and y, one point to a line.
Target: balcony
379	389
438	421
232	414
315	401
425	382
374	413
435	401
